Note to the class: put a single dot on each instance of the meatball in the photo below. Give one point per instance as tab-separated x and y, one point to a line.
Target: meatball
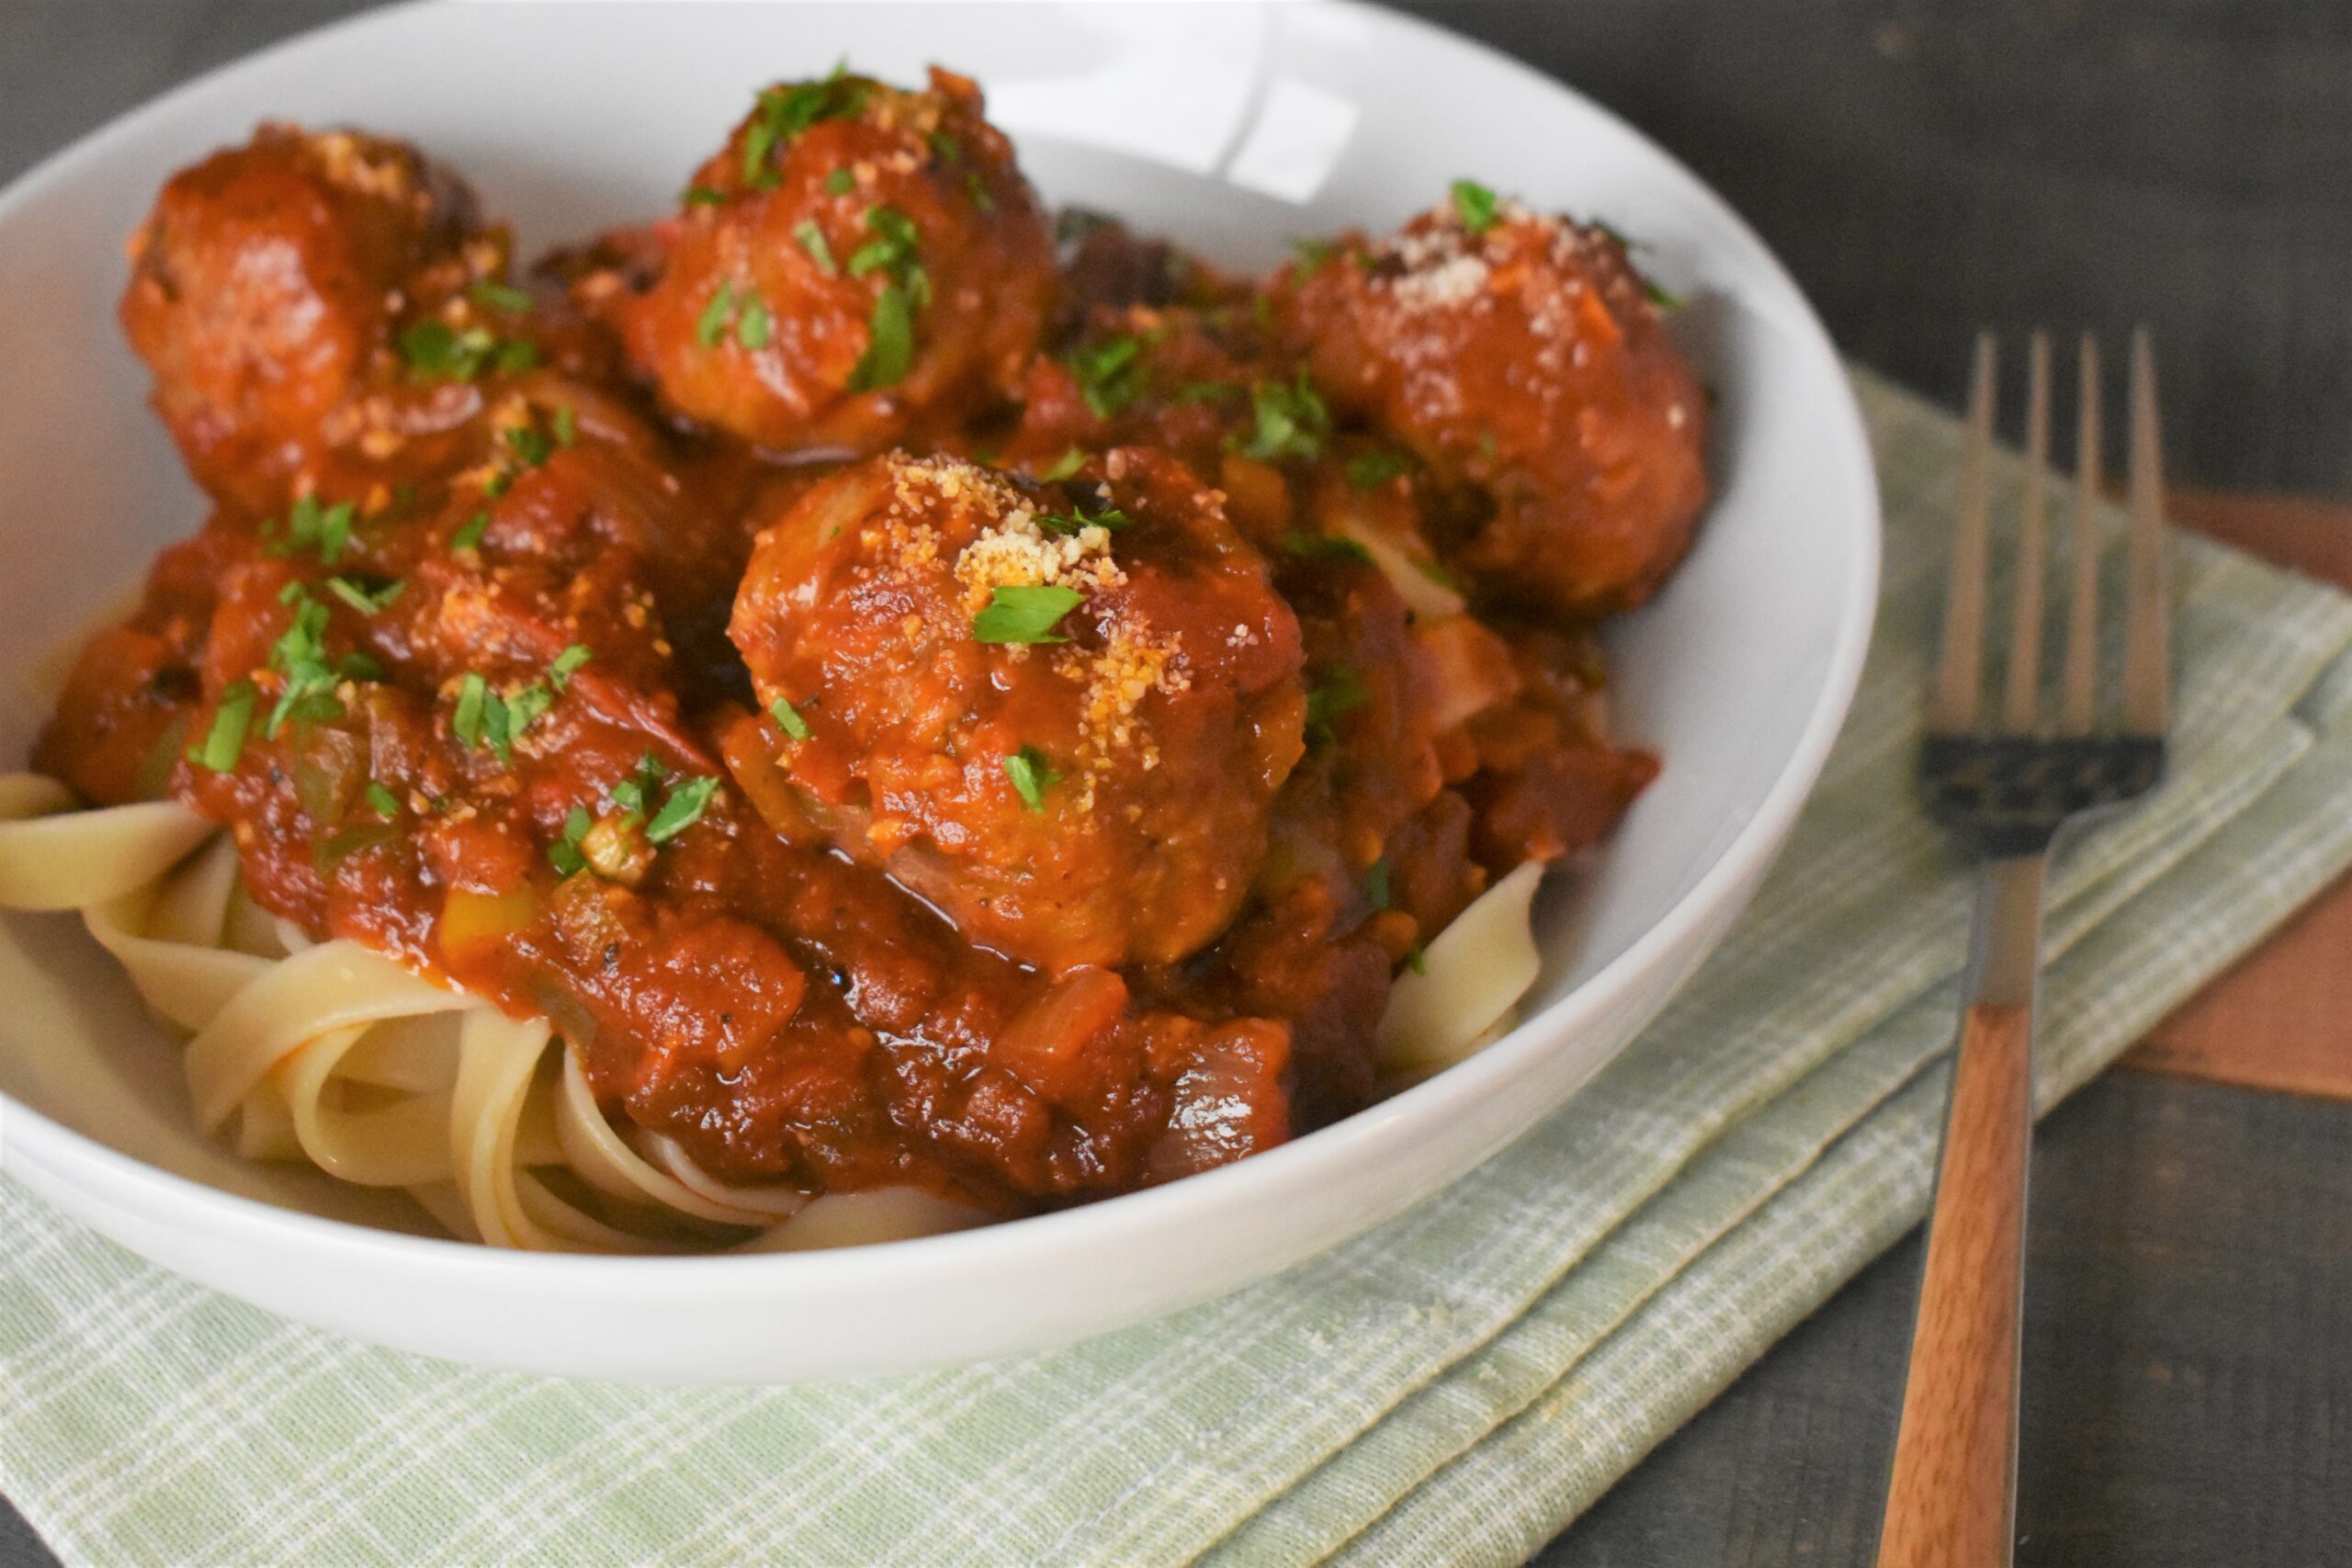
1178	379
1107	266
1520	355
266	289
1058	713
855	259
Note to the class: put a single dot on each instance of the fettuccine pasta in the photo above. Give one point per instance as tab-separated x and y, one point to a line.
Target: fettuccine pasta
330	1053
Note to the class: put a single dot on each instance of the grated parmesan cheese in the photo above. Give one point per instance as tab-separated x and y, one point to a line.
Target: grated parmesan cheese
1456	281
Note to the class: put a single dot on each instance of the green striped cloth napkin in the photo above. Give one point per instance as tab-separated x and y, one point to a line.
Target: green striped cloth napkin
1452	1388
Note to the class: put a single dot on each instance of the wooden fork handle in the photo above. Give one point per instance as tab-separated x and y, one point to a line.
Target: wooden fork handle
1952	1501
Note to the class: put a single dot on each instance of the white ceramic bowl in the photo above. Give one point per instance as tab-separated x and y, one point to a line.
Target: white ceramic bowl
1231	126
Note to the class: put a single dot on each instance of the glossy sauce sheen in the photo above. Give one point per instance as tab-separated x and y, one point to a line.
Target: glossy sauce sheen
608	645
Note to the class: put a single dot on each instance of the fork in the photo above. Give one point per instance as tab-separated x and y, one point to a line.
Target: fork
2004	783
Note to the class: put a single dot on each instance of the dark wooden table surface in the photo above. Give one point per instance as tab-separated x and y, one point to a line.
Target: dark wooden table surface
1925	166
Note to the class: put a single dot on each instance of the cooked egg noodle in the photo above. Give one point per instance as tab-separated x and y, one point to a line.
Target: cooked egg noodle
330	1053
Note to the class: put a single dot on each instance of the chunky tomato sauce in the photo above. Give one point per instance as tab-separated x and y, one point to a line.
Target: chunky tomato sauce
911	697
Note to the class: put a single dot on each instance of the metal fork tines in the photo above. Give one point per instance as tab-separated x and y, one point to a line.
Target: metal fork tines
2005	781
2007	784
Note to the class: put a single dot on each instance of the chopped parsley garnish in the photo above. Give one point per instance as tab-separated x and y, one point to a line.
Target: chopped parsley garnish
1207	392
1417	959
435	348
334	530
1340	690
890	342
703	195
906	288
785	112
1032	775
571	659
528	444
381	801
310	525
753	326
683	807
978	189
1439	575
715	316
1110	373
225	741
747	312
527	706
566	425
564	853
841	182
1475	206
474	697
1025	613
1078	519
485	718
1063	467
1313	253
787	719
469	532
632	794
893	246
1368	470
757	146
1376	883
299	654
1291	421
812	240
501	296
366	601
944	147
1325	547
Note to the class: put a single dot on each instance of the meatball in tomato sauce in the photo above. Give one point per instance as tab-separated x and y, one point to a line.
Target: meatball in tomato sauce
1060	713
855	263
1178	379
1521	356
268	289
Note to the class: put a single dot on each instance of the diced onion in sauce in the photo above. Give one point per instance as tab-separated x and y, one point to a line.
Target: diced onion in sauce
469	918
1423	593
1473	667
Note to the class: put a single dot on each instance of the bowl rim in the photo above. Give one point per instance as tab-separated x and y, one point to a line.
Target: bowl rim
42	1149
